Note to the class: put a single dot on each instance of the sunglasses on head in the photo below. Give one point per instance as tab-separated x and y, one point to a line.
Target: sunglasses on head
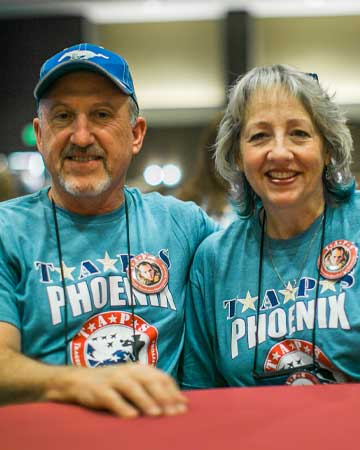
313	75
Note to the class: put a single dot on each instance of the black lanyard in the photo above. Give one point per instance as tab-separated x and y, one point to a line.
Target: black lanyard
314	365
135	347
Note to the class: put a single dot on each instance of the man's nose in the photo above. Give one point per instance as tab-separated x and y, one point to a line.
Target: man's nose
82	134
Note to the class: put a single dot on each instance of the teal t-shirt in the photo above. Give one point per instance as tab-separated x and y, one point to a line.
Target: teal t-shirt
227	315
96	313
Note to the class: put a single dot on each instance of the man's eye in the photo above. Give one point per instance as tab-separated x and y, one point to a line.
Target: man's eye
62	116
102	114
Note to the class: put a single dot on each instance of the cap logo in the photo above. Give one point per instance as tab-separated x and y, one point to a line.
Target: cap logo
82	54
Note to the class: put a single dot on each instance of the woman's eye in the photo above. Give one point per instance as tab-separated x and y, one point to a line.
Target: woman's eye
300	133
257	137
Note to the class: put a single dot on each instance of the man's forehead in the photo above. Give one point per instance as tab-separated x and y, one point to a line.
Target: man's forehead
83	83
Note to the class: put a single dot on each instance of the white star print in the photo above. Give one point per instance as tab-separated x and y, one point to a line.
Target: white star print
91	327
289	292
276	356
108	263
67	271
248	302
327	285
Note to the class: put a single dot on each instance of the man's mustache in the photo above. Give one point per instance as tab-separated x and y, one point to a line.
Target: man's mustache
74	150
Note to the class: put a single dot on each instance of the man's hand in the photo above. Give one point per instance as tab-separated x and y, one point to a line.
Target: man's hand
126	390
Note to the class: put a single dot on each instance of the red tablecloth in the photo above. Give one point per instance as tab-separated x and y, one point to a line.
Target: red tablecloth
286	417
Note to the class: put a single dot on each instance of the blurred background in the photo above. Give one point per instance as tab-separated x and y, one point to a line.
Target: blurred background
183	56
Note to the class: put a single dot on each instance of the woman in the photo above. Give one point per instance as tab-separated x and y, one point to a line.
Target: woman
266	307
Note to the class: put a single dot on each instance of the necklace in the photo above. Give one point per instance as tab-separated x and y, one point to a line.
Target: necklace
135	344
314	366
290	289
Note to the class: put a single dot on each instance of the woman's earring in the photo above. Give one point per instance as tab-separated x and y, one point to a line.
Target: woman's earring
328	172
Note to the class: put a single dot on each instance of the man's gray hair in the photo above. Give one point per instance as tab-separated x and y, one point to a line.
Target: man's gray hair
324	112
133	111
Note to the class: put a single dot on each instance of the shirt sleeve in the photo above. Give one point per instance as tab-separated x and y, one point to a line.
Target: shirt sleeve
9	279
198	366
208	226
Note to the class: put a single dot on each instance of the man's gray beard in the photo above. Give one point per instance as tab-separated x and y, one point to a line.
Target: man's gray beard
93	191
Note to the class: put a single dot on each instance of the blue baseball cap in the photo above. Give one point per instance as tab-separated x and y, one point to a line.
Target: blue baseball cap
86	57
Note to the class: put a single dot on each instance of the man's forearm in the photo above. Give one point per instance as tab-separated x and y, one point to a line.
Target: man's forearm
23	379
126	390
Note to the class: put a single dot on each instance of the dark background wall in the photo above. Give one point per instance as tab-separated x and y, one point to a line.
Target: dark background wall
26	43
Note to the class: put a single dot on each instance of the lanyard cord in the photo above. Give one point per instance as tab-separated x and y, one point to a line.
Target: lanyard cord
259	290
322	241
66	299
132	301
313	337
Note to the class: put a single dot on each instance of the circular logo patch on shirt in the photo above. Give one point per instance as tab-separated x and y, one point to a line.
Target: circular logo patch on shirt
114	337
302	377
149	274
337	259
293	354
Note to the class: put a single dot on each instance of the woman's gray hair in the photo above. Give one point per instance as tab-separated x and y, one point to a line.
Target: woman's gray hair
325	113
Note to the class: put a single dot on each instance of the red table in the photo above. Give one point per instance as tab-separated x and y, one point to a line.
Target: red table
285	417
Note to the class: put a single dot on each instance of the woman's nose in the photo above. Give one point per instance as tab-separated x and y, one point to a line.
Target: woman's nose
280	150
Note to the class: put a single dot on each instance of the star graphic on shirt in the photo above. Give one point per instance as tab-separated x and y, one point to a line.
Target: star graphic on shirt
289	292
276	356
107	262
248	302
91	327
67	271
327	285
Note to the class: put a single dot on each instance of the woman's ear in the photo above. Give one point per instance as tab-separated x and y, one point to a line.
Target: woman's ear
327	156
238	159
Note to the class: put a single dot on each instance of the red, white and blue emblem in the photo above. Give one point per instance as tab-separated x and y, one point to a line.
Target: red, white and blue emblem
292	354
149	274
337	259
114	337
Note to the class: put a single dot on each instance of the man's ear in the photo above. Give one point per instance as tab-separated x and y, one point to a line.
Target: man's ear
139	131
37	129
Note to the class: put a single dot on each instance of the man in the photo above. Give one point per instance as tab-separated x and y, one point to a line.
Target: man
70	300
335	259
147	273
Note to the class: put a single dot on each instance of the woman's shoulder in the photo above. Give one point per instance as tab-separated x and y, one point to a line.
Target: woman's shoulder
233	234
352	204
